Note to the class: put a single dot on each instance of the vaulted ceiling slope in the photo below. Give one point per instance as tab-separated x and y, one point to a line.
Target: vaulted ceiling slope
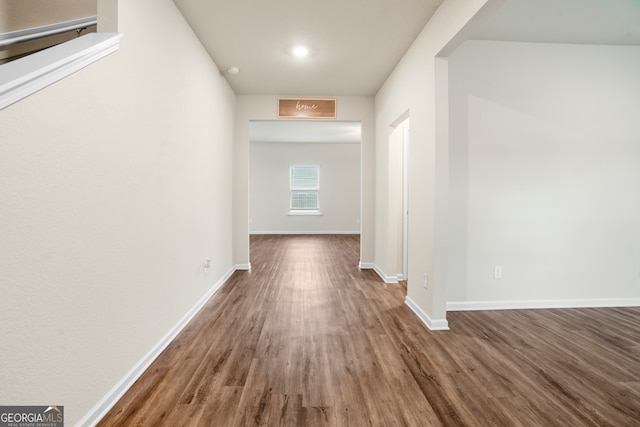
355	44
608	22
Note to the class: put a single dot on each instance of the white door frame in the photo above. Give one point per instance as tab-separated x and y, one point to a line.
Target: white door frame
405	200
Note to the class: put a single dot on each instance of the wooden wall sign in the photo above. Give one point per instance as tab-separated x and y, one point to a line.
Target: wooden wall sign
306	108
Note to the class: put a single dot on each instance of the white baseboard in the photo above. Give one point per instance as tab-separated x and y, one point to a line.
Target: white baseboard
111	398
307	232
542	304
242	267
432	324
374	267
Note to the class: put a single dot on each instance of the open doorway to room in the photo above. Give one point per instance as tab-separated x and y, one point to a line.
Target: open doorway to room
304	177
398	196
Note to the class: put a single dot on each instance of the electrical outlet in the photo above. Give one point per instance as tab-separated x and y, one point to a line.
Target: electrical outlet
497	272
425	281
206	266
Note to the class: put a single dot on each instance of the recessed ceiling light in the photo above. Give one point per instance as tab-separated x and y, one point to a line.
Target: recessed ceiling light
300	51
233	70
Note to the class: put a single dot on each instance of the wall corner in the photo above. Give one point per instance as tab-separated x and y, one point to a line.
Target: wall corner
107	16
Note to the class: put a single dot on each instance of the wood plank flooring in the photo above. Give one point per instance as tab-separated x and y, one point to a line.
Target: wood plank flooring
307	339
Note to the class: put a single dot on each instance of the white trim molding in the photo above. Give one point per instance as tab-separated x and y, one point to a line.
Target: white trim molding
357	232
242	267
432	324
378	270
542	304
366	265
105	404
301	212
27	75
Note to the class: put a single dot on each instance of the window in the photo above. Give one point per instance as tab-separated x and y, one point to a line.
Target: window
304	189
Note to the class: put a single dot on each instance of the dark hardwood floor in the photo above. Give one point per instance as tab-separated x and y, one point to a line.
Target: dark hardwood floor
307	339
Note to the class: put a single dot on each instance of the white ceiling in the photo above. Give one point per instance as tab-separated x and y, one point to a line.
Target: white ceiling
355	44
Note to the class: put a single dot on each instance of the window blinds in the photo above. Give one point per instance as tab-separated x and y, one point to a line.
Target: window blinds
305	186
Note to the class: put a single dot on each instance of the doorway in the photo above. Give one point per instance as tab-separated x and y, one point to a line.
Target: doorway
332	150
405	199
398	203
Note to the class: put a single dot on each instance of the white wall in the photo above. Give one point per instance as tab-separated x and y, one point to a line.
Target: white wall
114	189
350	108
339	187
412	88
545	172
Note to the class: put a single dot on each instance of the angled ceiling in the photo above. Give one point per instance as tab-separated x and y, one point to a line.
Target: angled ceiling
609	22
355	44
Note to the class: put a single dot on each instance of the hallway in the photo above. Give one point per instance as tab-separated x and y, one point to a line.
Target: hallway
305	338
